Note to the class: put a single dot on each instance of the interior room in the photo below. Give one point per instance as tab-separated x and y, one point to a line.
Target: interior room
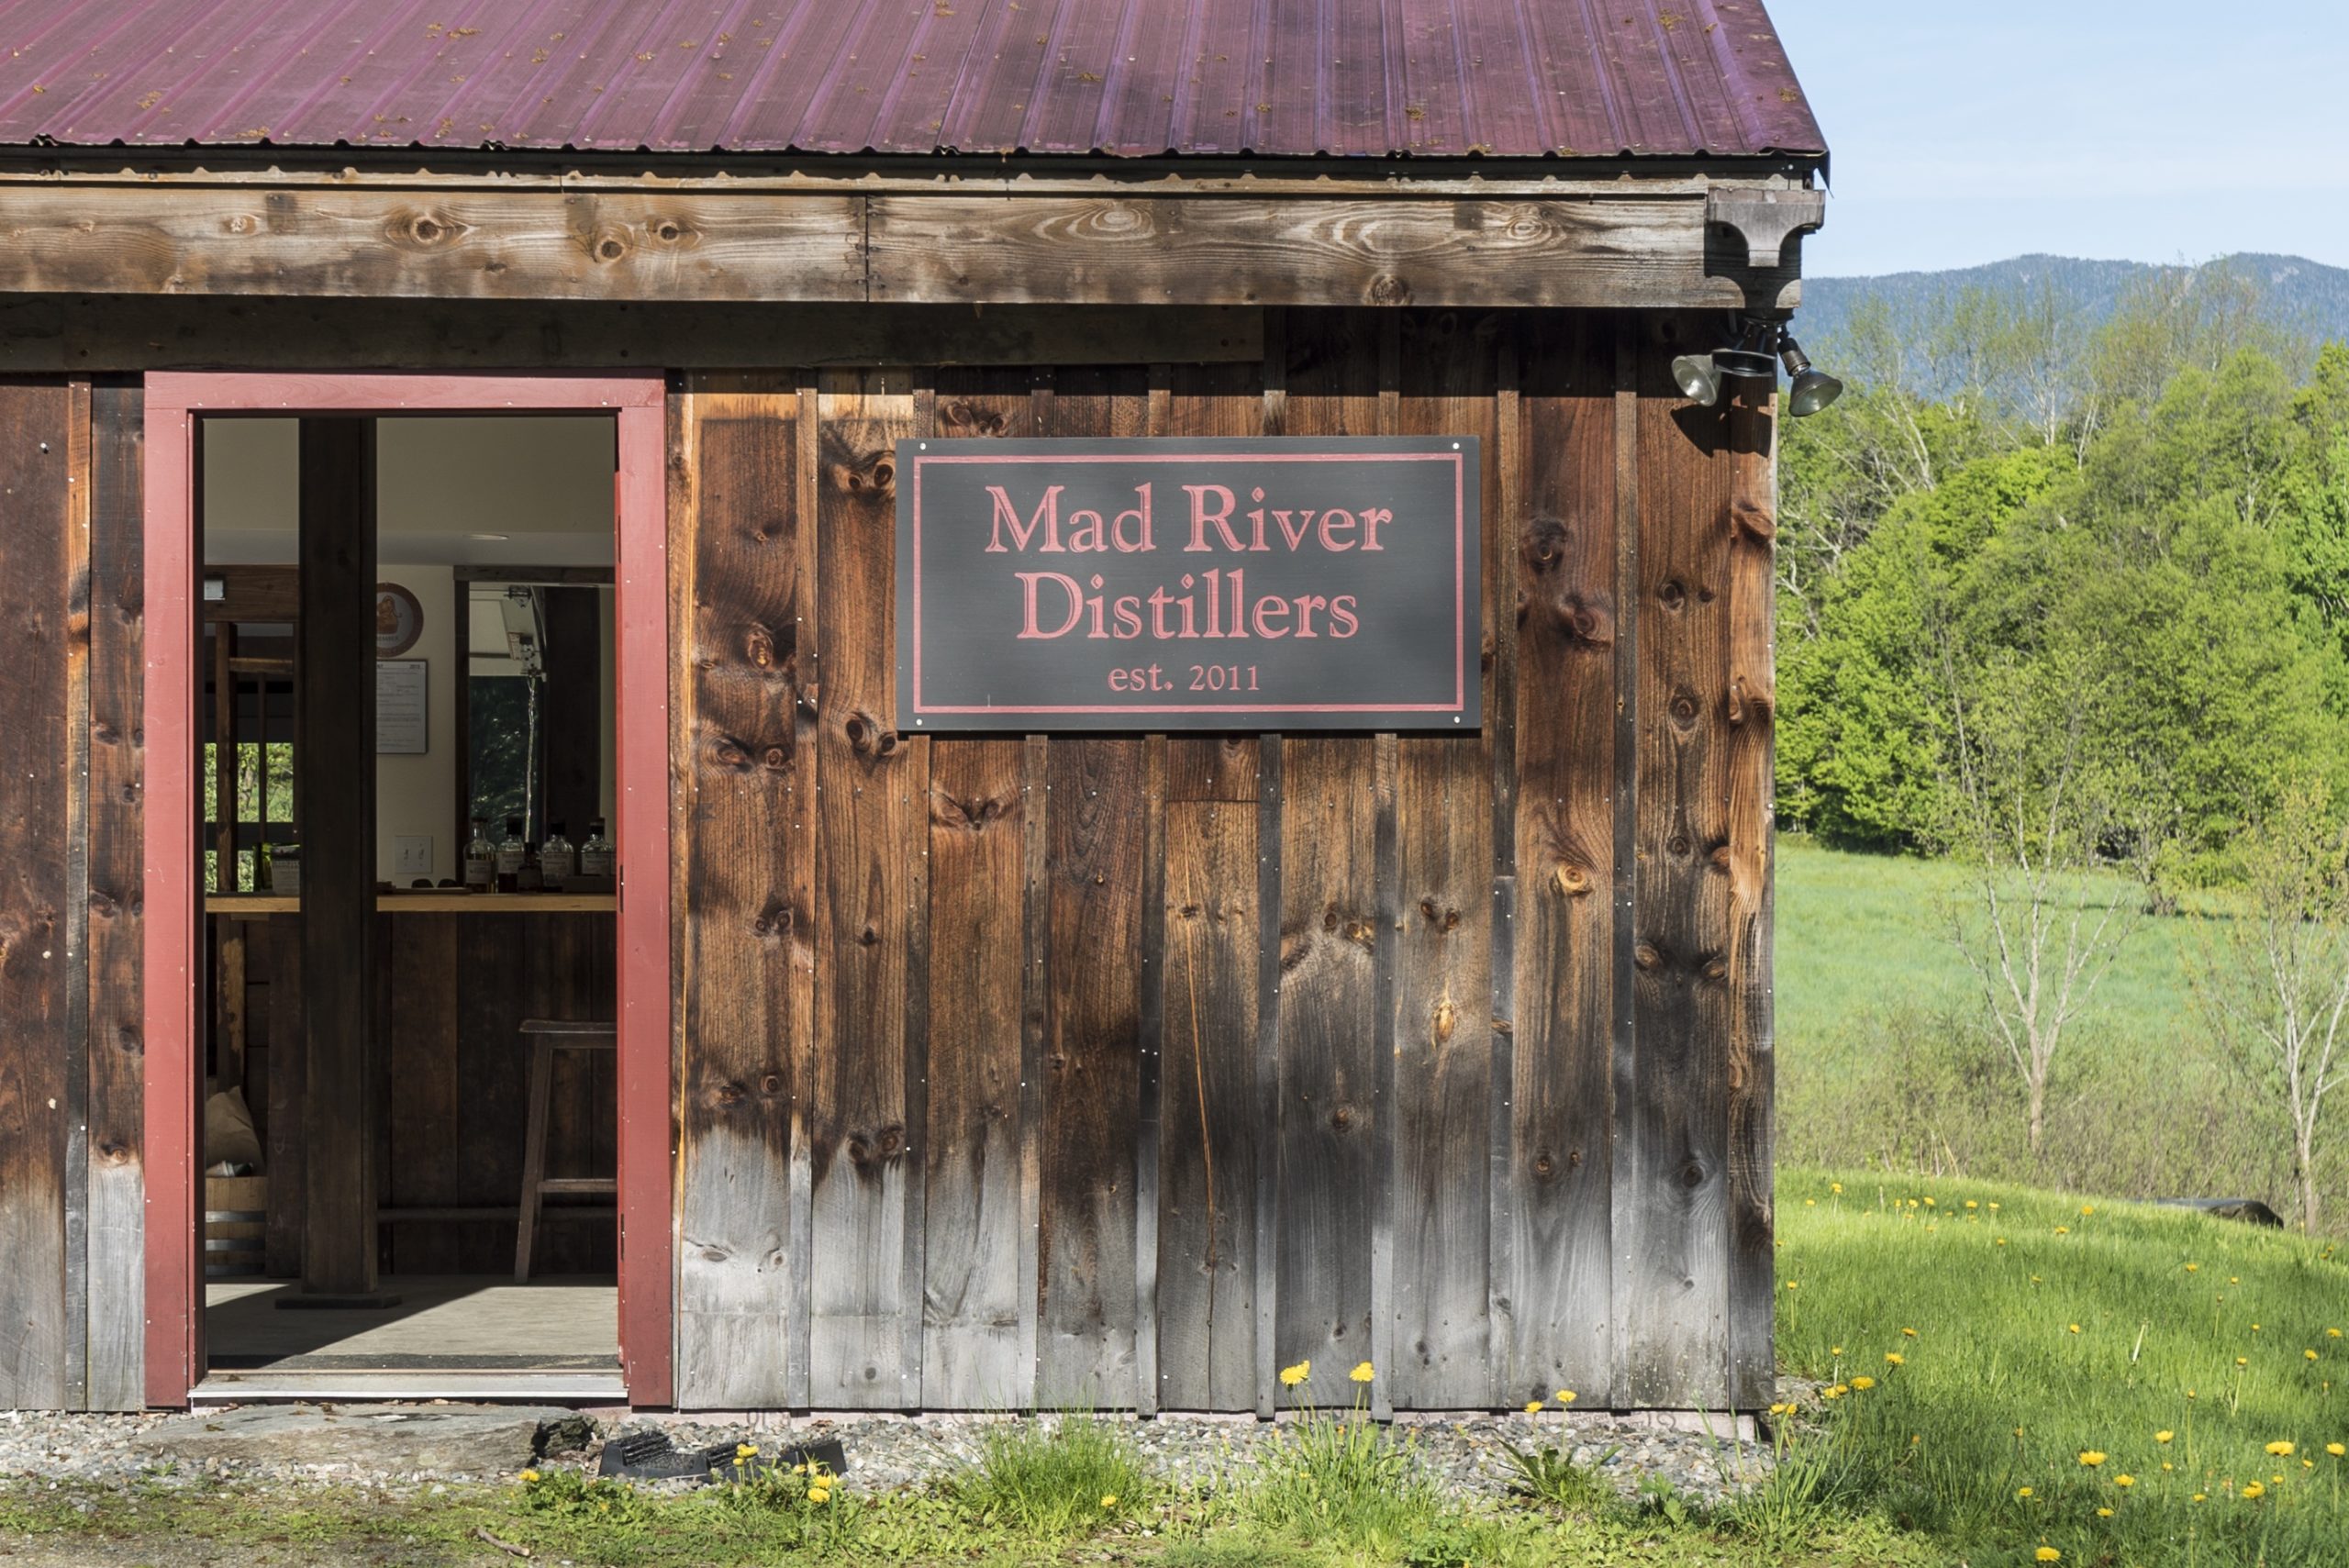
446	1132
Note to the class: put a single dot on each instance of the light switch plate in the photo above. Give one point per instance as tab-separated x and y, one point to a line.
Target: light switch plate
412	855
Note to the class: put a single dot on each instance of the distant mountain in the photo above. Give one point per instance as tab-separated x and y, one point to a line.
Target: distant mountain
2304	296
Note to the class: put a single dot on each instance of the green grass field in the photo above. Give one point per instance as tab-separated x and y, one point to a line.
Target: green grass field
1885	1057
2032	1329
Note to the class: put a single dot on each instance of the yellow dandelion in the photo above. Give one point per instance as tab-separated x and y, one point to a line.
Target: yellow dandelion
2023	1491
1810	1203
746	1451
2201	1497
2309	1354
2104	1513
1566	1396
2047	1554
2163	1437
1908	1333
2002	1240
2333	1333
2166	1465
1994	1205
2193	1268
529	1476
1533	1406
1834	1349
1894	1358
2062	1231
2075	1328
2281	1449
1971	1203
2335	1449
1794	1285
2252	1491
1835	1391
1362	1373
1864	1383
2255	1327
2124	1480
819	1494
1929	1203
2091	1457
2088	1208
1293	1375
1835	1187
2243	1360
1108	1499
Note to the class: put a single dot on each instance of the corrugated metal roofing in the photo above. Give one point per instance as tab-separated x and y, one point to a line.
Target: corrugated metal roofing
1132	78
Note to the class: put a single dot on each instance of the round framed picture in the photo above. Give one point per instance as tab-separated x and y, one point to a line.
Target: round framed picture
399	620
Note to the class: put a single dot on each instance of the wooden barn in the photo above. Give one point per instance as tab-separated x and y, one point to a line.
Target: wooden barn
514	882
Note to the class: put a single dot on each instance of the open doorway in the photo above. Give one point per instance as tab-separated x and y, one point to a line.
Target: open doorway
410	1167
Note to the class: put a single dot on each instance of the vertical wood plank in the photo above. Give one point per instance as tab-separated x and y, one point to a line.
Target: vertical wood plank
872	789
747	738
1086	1263
1266	1126
423	1106
1443	971
1210	1148
116	1105
1035	1006
76	653
288	1151
971	1161
1149	1110
1501	597
336	700
1333	1034
1561	1294
1751	1282
1675	1131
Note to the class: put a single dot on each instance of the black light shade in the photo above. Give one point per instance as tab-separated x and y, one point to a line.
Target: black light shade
1699	379
1813	391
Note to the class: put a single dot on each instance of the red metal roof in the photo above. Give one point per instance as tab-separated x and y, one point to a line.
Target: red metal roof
1134	78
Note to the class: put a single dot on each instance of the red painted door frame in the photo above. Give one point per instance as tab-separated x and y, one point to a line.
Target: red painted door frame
175	922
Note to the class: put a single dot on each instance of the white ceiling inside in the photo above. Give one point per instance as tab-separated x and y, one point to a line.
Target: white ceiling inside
445	487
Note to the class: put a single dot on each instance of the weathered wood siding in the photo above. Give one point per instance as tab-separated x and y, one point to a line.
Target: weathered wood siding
1125	1071
1121	1070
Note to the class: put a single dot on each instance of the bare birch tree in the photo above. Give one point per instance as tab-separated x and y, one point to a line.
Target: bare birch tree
2028	814
2275	989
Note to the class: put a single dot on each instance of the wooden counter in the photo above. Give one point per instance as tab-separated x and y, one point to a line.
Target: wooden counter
456	975
439	901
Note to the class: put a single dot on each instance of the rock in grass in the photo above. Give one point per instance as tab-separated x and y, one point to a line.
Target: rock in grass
469	1439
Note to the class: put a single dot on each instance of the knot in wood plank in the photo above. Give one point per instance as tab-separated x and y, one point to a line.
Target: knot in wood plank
423	231
868	737
1386	288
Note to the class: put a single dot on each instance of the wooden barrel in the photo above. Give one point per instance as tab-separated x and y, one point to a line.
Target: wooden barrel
236	1226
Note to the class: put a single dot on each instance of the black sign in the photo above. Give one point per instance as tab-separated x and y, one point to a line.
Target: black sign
1199	584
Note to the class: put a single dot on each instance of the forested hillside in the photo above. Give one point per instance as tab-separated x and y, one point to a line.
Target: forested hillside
2293	293
2065	603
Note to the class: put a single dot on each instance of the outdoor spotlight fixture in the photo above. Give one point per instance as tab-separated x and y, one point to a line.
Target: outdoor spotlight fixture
1760	345
1813	389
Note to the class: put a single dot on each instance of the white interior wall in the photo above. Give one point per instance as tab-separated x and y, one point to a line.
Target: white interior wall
442	483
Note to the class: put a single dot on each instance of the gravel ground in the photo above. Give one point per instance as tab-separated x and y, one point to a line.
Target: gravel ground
885	1453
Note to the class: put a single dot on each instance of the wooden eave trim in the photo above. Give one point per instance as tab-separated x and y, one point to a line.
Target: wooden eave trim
1630	249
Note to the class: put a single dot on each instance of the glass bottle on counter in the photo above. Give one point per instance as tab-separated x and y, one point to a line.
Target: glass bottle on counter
595	854
558	861
481	859
513	853
532	876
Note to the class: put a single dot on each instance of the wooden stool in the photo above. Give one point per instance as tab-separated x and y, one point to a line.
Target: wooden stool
548	1036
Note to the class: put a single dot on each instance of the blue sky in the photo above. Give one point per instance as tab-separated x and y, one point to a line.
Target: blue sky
2154	130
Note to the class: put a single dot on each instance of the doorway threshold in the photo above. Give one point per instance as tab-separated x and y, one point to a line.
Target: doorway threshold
486	1386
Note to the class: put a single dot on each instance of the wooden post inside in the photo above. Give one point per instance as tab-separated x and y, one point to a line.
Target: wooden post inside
335	782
